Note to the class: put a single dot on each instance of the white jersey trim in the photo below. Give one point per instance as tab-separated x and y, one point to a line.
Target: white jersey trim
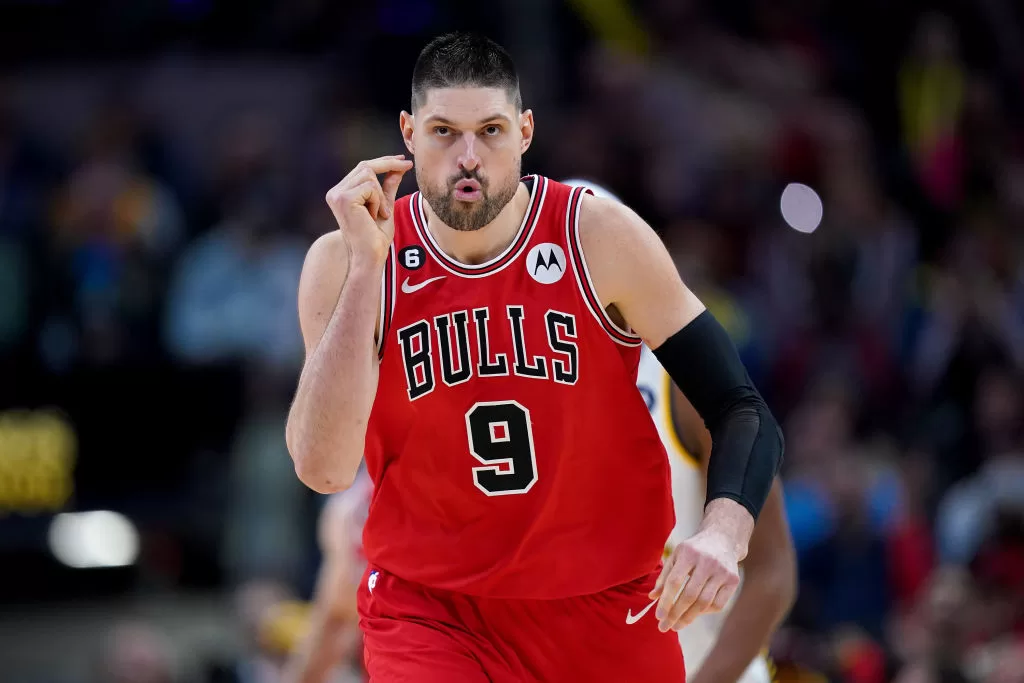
387	302
582	273
533	212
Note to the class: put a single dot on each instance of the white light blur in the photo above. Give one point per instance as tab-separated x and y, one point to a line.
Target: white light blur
85	540
801	207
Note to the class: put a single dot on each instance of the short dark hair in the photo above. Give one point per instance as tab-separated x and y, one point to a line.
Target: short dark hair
464	59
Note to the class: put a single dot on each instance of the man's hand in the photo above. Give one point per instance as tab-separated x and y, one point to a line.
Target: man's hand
699	577
768	591
339	306
702	573
364	206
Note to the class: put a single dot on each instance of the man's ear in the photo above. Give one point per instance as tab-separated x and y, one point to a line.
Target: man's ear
526	128
406	122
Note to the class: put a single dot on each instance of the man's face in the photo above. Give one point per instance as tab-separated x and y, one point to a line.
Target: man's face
468	145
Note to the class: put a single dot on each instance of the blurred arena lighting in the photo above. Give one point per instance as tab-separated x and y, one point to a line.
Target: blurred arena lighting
85	540
801	207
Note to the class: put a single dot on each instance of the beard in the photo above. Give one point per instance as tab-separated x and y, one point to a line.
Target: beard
469	216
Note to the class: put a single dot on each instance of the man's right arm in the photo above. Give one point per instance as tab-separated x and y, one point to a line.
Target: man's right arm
339	300
339	303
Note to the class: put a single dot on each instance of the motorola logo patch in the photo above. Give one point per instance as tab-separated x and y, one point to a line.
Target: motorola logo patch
546	263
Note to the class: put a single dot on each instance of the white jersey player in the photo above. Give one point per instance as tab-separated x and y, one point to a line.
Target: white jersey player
699	638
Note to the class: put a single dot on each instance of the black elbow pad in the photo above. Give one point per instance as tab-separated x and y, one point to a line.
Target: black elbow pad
746	441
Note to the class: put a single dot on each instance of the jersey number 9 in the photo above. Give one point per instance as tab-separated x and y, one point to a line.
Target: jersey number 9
500	437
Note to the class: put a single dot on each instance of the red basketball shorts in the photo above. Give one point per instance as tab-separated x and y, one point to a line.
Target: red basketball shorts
418	634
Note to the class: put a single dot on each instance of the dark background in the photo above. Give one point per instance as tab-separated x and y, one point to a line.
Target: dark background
162	171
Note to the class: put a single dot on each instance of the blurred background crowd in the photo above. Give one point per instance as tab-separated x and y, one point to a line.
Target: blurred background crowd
162	171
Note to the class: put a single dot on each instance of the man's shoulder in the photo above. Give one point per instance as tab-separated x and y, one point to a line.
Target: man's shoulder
610	235
328	254
323	272
328	244
608	219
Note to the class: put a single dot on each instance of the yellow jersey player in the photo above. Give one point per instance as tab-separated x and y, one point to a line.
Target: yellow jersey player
728	646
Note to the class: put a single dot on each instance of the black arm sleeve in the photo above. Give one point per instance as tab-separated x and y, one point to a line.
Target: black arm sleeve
746	441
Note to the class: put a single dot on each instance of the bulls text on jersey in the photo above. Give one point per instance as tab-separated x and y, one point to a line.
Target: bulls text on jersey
441	348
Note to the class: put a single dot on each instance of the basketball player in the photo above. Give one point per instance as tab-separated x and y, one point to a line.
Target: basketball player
727	649
730	645
332	637
715	649
727	646
479	341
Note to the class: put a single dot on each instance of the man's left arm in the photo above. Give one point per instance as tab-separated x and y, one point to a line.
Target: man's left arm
637	281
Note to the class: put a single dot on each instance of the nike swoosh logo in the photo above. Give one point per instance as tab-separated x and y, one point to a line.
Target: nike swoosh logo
630	619
409	289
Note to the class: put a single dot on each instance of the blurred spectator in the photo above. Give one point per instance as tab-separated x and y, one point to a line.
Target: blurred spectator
233	291
968	514
272	623
113	229
843	577
137	653
266	531
819	433
932	92
880	242
911	546
931	640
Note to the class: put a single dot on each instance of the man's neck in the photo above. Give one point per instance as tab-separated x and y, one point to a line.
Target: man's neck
473	247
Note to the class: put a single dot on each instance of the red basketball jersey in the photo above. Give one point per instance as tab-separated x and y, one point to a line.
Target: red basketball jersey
510	450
